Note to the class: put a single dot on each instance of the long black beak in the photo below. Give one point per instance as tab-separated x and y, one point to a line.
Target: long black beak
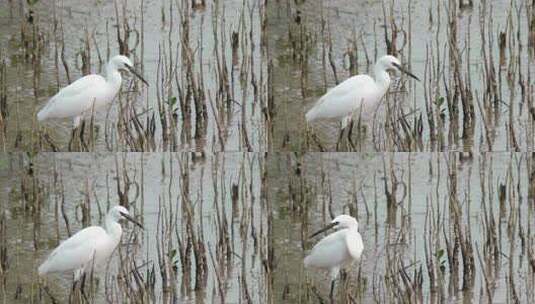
331	225
131	69
402	69
128	217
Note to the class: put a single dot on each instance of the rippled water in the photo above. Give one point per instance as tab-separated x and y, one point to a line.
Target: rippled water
307	189
244	213
356	31
156	185
155	31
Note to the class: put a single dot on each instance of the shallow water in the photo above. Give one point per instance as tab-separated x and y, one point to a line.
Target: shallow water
156	196
246	217
354	183
356	29
155	31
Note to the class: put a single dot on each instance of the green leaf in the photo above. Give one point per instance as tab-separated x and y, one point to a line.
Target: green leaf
172	101
439	102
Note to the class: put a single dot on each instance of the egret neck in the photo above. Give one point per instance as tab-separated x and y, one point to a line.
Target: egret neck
382	79
113	77
113	228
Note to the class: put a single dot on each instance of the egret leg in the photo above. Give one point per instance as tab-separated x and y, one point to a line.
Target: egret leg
82	289
334	274
339	139
75	130
348	119
82	141
73	291
331	293
76	122
82	129
349	134
71	141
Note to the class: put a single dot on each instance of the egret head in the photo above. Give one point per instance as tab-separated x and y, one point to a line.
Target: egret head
121	62
118	213
345	221
391	63
341	221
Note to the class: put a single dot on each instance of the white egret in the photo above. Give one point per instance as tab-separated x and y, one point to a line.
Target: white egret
338	248
347	98
91	92
89	248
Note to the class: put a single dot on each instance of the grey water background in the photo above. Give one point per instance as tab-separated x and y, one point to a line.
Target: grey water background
155	185
354	183
357	28
155	30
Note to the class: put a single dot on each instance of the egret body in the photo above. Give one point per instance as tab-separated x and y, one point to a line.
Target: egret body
338	248
342	101
89	93
89	248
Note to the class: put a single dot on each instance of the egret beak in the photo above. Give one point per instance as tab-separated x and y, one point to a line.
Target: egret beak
402	69
128	217
331	225
131	70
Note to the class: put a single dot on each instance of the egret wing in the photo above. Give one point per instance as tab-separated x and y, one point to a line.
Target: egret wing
352	84
74	252
73	99
329	252
354	244
343	99
82	84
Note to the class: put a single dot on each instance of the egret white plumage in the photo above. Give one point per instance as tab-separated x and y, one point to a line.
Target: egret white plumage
345	99
91	92
338	248
89	248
